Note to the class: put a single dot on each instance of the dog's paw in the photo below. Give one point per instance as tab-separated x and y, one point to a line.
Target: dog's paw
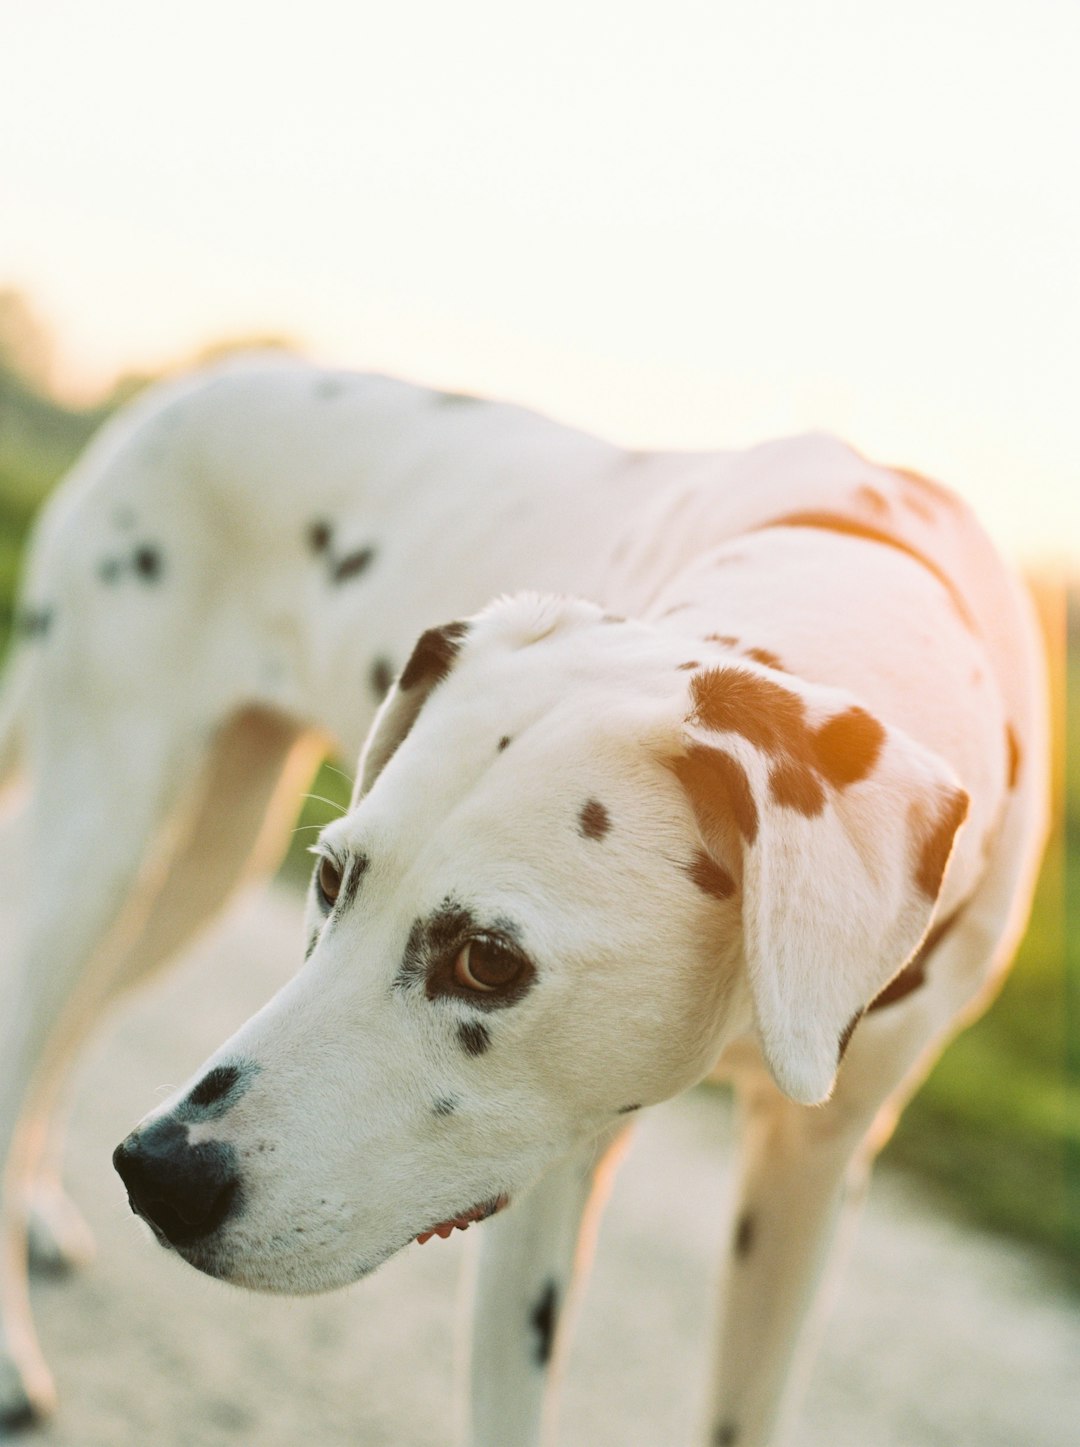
58	1239
27	1400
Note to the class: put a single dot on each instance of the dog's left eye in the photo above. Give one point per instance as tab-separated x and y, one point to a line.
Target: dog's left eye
327	881
482	964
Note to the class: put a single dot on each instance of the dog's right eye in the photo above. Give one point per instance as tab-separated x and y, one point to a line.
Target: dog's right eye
327	881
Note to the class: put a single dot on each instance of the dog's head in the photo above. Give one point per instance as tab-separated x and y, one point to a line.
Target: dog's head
576	865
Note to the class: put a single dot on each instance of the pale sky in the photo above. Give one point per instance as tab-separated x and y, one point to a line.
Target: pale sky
688	224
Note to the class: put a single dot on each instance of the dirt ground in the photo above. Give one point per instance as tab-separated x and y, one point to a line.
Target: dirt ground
938	1337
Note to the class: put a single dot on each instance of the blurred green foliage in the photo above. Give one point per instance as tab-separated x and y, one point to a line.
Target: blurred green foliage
995	1129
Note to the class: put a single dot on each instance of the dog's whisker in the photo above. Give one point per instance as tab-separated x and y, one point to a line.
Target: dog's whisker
330	803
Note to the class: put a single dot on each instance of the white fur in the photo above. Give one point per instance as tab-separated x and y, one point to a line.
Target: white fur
643	981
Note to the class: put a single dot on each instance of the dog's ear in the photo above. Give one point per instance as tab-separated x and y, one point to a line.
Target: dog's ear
429	663
840	829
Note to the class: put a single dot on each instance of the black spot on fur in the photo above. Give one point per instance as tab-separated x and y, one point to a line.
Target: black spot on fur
594	821
849	1031
214	1084
767	657
711	877
473	1037
1012	747
434	655
148	562
745	1231
846	747
504	743
936	845
319	536
312	942
544	1319
445	1105
689	666
33	624
353	564
717	783
627	1109
794	786
217	1092
848	527
381	677
726	1435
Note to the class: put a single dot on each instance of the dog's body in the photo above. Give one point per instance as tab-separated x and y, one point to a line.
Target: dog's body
282	535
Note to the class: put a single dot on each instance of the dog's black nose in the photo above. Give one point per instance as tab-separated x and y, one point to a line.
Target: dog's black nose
184	1191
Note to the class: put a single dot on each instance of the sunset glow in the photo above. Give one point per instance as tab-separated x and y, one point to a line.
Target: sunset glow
694	224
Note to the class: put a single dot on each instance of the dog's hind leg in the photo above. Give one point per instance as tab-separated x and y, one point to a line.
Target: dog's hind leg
533	1259
116	893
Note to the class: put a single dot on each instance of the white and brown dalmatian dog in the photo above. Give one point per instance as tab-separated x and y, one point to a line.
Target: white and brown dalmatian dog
783	799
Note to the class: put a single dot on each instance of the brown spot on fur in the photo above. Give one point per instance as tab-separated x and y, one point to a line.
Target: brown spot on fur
726	640
745	1231
929	488
874	500
936	844
689	666
1012	746
765	656
846	747
594	821
717	785
733	700
794	786
434	654
710	877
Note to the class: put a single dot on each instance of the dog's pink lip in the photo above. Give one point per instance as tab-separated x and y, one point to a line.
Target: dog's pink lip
465	1220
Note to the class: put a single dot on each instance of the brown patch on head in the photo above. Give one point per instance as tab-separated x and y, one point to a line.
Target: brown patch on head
710	877
719	790
733	700
726	640
936	842
846	747
689	666
1012	748
797	787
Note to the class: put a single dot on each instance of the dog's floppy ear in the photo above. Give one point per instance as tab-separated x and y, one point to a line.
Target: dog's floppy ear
429	663
843	829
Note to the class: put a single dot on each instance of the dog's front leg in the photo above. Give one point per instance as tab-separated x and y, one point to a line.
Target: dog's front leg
802	1178
530	1256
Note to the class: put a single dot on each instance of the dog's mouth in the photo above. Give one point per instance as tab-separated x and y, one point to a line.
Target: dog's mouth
462	1223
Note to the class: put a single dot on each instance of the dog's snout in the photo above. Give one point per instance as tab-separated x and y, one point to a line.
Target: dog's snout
184	1191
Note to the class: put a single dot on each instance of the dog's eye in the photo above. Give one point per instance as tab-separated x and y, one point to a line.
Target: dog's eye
483	964
328	881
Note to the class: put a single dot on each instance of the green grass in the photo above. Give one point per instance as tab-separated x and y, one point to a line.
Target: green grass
995	1131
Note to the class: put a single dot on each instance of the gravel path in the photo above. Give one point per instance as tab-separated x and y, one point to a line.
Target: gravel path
938	1338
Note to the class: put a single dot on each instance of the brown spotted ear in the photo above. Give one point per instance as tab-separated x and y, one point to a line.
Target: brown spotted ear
429	663
843	828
